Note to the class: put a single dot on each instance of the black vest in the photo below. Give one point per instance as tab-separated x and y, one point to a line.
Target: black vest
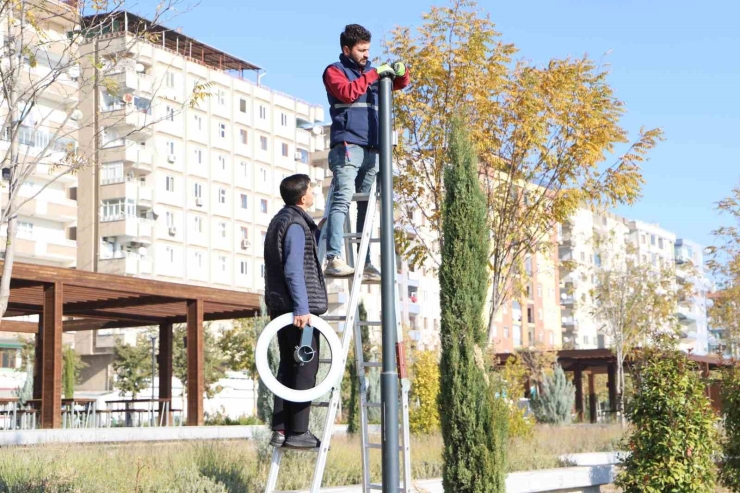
277	293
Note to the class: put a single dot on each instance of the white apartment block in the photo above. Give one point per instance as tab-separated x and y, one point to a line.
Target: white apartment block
587	241
185	194
692	314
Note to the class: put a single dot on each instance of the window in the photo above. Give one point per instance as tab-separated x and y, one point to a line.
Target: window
221	195
539	290
243	267
263	206
198	256
285	150
244	200
243	168
170	219
244	233
170	145
262	271
263	172
264	235
199	122
597	260
170	114
660	243
170	254
198	190
283	119
652	239
222	130
198	156
221	97
222	229
583	257
539	314
552	339
25	229
8	357
222	162
170	183
242	105
242	136
506	332
222	262
198	222
263	112
643	239
263	143
585	340
169	79
117	209
111	173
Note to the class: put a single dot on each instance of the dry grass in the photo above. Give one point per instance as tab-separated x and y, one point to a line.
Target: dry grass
241	466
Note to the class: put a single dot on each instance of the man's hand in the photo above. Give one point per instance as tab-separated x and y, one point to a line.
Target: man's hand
301	321
399	68
385	69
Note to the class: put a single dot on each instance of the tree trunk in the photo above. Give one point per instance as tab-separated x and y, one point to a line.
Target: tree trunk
620	388
255	394
8	265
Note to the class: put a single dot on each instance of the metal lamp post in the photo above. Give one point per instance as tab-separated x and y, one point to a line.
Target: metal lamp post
154	366
389	376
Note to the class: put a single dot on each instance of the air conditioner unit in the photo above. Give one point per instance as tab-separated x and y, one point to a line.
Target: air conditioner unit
172	158
199	201
298	156
173	230
245	244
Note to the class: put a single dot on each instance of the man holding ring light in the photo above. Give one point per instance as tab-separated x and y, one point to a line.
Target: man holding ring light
294	283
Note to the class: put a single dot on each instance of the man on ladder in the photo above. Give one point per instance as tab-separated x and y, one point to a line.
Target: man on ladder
352	88
294	284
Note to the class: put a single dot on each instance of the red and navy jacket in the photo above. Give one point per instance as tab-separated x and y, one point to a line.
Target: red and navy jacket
353	98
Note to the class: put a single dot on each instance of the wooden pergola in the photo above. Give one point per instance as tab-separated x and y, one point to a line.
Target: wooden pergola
92	301
593	362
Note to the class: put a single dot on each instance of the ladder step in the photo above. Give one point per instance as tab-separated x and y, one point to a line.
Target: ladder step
324	361
370	324
334	318
374	486
372	364
379	446
376	405
357	237
361	197
319	404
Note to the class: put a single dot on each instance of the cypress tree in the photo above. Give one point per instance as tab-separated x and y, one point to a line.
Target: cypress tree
473	426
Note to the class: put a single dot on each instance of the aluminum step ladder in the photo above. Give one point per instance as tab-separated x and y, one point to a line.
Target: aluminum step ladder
351	319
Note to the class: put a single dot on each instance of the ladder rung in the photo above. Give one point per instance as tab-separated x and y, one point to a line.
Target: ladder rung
379	446
370	324
377	405
357	237
372	364
324	361
334	318
361	197
374	486
320	404
282	450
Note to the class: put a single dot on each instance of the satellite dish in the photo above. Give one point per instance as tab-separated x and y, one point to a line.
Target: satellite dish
563	296
156	212
74	71
318	130
128	98
139	67
76	115
142	251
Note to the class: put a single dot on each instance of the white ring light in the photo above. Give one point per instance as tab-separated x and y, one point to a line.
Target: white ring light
272	383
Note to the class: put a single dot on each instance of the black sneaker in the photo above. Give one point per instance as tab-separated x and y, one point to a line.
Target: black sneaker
302	441
277	439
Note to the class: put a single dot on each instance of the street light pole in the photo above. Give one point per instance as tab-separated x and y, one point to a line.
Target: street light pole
154	340
389	376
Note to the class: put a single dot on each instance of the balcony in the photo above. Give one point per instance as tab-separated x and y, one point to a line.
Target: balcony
302	137
569	239
127	228
414	308
129	119
570	322
131	81
49	251
569	301
47	206
34	141
129	152
121	187
685	315
126	265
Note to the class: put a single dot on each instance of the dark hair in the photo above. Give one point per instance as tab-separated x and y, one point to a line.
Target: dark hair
293	188
353	34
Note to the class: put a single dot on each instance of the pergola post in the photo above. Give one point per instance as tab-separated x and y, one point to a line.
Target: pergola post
196	363
51	370
578	377
612	385
591	397
165	367
38	360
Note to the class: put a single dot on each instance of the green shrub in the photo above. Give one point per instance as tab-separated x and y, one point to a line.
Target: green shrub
424	416
730	471
673	439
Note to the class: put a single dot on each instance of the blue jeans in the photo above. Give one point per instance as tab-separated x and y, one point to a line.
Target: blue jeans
354	170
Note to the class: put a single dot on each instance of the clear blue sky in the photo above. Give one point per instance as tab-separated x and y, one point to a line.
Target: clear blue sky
676	65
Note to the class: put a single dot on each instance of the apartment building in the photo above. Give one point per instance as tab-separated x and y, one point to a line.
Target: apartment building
185	194
47	219
692	312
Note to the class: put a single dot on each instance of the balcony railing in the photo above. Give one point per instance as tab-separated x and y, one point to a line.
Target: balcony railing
40	139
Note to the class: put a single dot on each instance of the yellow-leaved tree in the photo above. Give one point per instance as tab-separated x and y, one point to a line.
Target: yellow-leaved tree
424	418
547	139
